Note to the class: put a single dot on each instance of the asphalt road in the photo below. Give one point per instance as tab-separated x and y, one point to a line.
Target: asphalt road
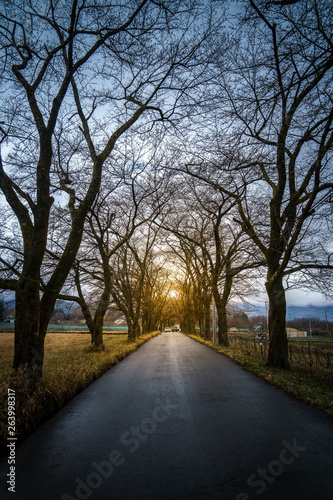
177	420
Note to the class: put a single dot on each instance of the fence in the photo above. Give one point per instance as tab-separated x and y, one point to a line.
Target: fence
306	357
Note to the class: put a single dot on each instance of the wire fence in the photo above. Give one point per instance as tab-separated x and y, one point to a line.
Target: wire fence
311	358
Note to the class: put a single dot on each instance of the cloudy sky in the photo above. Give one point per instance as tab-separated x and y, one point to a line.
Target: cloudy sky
302	298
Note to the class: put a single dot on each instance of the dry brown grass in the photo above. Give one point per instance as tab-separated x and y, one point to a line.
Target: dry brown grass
54	342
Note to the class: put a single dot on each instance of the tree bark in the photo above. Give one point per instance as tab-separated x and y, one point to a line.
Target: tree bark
206	305
97	333
145	322
222	321
29	340
133	330
95	325
221	304
97	336
278	347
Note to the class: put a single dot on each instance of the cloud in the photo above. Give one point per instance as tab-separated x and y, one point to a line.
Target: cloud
303	298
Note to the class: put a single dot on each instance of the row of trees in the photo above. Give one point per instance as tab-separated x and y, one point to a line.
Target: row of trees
154	139
76	77
315	327
274	135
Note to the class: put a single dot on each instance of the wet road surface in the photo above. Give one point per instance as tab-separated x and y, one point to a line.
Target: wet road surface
177	420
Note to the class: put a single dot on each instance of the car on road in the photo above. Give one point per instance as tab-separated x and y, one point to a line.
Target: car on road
167	329
176	328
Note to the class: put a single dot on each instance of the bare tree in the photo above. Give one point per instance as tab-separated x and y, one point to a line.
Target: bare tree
158	307
276	155
196	285
220	252
189	287
133	201
130	265
66	67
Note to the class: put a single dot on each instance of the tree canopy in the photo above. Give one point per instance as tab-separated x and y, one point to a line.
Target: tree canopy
171	145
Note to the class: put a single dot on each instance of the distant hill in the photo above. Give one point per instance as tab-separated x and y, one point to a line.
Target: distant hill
295	312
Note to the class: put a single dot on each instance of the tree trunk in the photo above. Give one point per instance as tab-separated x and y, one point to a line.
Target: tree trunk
199	310
201	328
34	312
221	307
103	304
188	320
95	325
97	329
133	330
29	342
278	347
146	320
30	327
190	325
206	331
222	322
97	336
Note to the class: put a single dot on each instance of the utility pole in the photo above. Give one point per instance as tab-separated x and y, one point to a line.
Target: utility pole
214	320
266	307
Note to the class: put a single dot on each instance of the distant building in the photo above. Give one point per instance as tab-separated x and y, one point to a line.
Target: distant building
293	332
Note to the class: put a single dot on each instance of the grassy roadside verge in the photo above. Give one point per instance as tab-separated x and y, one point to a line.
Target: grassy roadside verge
314	390
65	375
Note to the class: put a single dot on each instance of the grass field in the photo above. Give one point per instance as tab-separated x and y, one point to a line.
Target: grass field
55	342
70	366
